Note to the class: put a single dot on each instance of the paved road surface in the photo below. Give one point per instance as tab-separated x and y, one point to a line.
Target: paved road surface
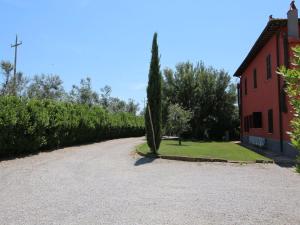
106	183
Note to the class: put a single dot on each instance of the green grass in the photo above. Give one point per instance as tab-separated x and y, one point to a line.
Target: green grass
210	150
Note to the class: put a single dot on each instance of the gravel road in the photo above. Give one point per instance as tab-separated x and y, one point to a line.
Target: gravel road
106	183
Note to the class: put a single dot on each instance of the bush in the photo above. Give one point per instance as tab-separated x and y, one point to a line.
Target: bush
298	164
292	78
29	126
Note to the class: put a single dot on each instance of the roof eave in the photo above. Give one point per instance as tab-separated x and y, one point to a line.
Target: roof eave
271	28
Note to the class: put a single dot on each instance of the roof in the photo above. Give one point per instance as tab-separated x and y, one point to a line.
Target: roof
272	27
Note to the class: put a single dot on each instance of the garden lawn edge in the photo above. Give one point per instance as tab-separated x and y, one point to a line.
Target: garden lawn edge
201	159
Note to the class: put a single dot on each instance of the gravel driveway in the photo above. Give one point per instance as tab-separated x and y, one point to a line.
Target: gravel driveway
106	183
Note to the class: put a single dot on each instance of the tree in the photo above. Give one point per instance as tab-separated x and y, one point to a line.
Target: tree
46	87
11	86
206	92
116	105
132	107
7	68
84	93
178	120
20	84
105	96
153	116
292	79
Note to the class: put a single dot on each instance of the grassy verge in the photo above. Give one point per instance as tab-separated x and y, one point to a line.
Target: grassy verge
207	150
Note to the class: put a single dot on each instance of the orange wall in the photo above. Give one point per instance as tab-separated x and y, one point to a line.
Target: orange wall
265	96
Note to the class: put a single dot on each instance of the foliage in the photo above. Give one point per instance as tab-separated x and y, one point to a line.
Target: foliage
28	126
12	85
206	92
84	93
113	104
153	118
116	105
105	96
51	87
46	87
132	107
292	79
207	150
178	120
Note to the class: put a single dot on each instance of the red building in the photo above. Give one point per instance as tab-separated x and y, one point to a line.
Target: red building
264	107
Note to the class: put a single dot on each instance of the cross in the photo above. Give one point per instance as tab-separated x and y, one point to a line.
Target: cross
16	52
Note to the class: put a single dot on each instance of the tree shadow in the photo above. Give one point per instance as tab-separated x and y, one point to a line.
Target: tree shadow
279	159
23	155
148	158
173	144
17	156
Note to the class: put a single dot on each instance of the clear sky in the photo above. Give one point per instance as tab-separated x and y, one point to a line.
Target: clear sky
110	41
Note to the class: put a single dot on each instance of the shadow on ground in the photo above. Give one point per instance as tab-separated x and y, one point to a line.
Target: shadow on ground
46	150
149	158
280	160
177	145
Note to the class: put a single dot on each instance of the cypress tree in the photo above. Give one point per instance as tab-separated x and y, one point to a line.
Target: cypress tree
154	101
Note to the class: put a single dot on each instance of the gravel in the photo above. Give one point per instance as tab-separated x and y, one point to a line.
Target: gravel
106	183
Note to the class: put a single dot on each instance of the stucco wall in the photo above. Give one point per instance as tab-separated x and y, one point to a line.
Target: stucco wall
265	96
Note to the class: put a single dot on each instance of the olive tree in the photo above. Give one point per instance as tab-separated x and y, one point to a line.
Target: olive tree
178	120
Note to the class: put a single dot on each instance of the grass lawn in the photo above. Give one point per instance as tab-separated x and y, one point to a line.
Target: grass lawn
211	150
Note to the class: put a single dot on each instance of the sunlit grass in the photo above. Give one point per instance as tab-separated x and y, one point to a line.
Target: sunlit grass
211	150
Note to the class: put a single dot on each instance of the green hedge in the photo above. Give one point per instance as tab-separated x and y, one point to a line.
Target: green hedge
29	126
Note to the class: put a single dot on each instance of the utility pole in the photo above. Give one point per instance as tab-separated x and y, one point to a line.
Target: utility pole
15	64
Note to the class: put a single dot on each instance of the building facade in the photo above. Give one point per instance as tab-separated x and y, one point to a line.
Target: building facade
265	111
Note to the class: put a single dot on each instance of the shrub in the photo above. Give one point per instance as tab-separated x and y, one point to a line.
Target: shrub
292	79
28	126
298	165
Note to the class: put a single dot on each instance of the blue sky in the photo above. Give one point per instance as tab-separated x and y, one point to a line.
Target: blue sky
110	41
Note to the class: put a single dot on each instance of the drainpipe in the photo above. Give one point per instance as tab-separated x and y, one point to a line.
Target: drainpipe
279	92
240	90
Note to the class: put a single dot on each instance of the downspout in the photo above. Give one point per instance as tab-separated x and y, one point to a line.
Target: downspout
241	108
279	92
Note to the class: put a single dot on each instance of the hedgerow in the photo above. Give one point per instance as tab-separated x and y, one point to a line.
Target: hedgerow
29	126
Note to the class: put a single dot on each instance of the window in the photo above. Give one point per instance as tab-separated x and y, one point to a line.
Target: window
269	67
270	121
257	120
246	87
254	78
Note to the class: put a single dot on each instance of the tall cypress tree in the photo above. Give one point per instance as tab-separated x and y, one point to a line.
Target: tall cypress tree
153	121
